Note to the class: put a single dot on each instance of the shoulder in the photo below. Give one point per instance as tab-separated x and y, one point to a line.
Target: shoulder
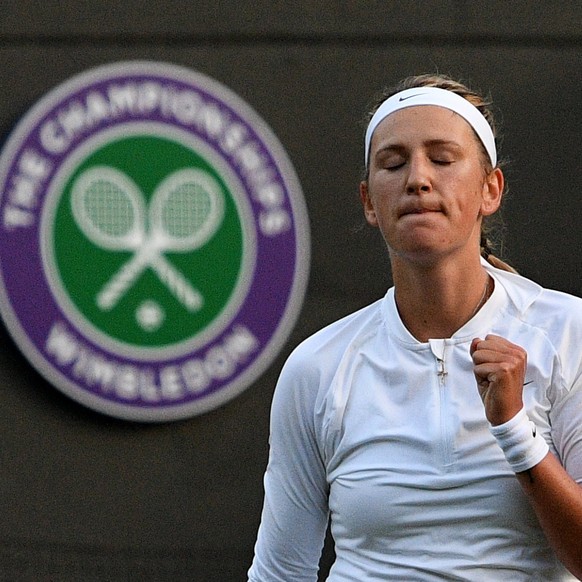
307	375
555	315
554	320
559	315
560	303
330	342
540	306
312	364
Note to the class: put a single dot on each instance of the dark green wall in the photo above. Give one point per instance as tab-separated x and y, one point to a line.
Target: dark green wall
84	497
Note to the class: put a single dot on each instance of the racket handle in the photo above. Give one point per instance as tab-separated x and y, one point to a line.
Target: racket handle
119	284
178	285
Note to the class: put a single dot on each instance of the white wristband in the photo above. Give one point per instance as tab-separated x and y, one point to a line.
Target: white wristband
518	439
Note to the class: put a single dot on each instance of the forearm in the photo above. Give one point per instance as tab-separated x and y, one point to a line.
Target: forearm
557	501
554	495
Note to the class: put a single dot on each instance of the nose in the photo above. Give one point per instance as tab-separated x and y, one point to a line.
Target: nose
419	178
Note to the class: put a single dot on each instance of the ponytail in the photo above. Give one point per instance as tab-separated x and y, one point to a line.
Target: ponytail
487	254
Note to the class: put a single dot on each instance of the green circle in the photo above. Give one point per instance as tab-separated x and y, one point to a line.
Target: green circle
85	266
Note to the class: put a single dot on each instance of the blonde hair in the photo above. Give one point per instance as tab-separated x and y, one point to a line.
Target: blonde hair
483	105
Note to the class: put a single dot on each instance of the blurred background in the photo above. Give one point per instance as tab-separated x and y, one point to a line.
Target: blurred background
87	497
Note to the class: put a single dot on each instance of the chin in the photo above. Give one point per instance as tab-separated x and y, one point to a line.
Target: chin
420	252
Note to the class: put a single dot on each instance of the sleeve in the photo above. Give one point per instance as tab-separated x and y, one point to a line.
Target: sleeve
566	420
566	412
295	511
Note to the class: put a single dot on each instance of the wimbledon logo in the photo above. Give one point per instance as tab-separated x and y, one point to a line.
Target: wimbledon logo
154	245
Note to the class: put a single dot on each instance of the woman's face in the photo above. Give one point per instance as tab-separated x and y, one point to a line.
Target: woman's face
427	188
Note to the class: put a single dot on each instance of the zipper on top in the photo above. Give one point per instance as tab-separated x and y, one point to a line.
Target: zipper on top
438	349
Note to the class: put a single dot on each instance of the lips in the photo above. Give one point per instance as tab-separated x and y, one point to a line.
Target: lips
419	210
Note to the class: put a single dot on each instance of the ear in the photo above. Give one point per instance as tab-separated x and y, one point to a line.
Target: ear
492	192
369	211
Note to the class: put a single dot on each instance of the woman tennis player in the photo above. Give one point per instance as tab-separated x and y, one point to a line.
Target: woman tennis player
440	428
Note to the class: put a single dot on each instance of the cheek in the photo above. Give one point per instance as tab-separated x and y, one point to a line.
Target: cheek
381	212
467	197
384	181
384	190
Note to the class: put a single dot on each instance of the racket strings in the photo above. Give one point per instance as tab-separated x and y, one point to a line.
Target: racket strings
186	210
109	208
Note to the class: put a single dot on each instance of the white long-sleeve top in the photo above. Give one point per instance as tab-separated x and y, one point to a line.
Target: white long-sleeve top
388	437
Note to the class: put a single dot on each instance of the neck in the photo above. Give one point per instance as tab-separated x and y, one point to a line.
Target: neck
434	302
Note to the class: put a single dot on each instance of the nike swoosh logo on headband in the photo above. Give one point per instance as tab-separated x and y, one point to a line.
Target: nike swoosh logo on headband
410	96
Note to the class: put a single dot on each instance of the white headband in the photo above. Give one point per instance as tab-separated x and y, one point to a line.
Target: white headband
440	98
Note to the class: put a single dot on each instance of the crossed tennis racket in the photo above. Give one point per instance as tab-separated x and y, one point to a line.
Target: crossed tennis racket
185	211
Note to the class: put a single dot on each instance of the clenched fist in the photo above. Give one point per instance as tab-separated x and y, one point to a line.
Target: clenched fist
499	368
